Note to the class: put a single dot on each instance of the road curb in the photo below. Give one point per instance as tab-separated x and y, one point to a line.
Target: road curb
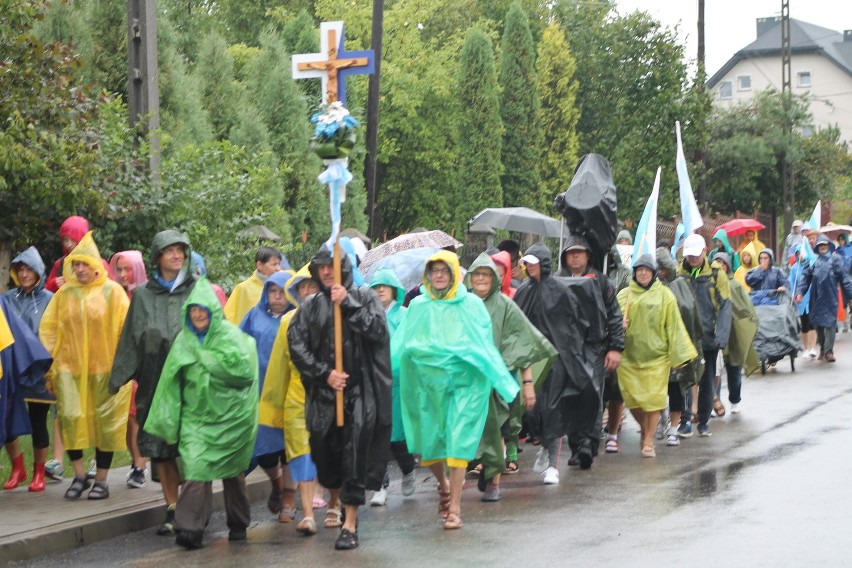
69	535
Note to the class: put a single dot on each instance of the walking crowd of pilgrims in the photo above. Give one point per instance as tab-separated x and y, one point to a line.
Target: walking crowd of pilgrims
452	375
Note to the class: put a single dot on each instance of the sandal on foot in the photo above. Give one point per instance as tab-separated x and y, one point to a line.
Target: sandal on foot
287	514
320	503
79	485
511	467
99	491
612	446
443	504
718	408
274	501
347	540
648	452
307	526
332	519
453	521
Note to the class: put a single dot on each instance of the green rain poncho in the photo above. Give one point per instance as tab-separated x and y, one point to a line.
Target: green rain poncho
656	340
720	239
387	277
521	345
444	356
740	352
206	400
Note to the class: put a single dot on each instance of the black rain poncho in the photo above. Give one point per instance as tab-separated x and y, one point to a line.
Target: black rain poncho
572	315
356	454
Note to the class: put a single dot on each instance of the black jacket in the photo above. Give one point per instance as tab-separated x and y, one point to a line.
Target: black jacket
359	453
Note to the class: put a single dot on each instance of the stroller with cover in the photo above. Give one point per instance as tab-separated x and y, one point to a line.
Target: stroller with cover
777	328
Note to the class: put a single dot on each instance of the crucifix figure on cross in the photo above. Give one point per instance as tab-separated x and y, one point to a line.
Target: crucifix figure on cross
333	64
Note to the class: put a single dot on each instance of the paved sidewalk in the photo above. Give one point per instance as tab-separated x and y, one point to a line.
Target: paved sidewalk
36	524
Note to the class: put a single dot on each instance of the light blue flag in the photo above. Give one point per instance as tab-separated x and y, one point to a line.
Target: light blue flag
810	253
680	236
336	175
689	212
646	232
815	222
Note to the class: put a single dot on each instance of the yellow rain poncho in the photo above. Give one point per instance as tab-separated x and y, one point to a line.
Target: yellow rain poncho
282	401
245	296
741	272
6	338
80	328
655	341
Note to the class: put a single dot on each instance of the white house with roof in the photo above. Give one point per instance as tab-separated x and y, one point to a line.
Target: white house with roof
821	66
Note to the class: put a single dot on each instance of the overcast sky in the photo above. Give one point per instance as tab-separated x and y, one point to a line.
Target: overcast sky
729	25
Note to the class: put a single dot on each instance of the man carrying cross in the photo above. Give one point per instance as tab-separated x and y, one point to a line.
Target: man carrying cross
352	458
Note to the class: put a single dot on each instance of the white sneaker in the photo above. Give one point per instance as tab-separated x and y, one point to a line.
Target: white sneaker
551	476
812	353
409	483
735	408
672	439
380	498
542	460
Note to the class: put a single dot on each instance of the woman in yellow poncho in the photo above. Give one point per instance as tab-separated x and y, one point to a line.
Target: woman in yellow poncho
282	405
655	342
748	260
80	328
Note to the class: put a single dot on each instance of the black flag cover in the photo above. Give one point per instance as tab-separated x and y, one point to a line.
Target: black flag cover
589	205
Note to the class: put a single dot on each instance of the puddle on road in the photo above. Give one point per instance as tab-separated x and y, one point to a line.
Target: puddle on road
706	482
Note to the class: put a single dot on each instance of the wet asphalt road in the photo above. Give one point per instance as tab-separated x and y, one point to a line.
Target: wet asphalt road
771	487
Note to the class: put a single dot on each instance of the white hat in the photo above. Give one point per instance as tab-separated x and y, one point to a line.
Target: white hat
694	245
797	223
529	259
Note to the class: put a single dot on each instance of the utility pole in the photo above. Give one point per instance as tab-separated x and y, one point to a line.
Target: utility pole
702	73
373	93
143	87
787	173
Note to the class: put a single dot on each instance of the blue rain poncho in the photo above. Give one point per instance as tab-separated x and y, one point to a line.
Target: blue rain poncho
263	326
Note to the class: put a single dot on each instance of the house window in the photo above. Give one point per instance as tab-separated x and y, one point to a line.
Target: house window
725	90
803	79
744	83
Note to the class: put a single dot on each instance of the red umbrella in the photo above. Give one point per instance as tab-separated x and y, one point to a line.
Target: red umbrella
740	226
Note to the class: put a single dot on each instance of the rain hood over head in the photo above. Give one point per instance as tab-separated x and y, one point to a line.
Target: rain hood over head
85	251
206	400
137	266
444	356
822	278
542	253
303	273
387	277
164	239
624	234
81	329
74	228
504	259
665	260
452	262
29	306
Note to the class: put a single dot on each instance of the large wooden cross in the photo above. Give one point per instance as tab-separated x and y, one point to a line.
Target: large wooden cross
333	64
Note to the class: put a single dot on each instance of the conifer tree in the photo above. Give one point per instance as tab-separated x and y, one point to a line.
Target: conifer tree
558	116
479	128
519	103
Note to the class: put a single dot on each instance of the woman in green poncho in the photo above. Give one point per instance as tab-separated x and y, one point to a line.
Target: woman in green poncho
723	244
655	341
521	345
206	403
392	296
445	358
